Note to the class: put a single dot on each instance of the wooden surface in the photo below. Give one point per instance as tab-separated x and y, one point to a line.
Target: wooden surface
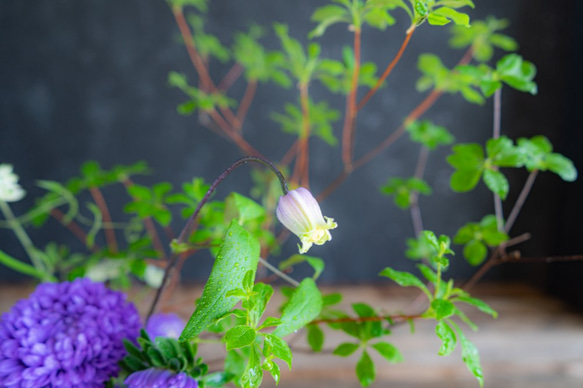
536	342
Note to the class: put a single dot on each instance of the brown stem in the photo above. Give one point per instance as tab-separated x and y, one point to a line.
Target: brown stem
73	228
301	170
290	154
521	199
350	116
396	317
388	70
233	135
232	75
109	232
246	102
332	186
547	259
197	61
496	135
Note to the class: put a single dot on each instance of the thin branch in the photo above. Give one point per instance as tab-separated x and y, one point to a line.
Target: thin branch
109	233
388	70
414	208
396	317
232	75
233	135
496	135
290	154
73	228
301	169
521	199
351	110
279	273
246	102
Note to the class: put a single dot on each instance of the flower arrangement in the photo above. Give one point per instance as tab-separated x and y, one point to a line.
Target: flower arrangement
77	329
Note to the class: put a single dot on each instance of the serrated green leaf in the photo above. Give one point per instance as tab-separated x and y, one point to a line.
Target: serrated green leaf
479	304
238	254
447	336
388	351
365	370
404	279
471	358
345	349
304	306
442	308
496	182
278	347
239	337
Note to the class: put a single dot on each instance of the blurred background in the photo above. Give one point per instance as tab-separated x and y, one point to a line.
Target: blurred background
88	80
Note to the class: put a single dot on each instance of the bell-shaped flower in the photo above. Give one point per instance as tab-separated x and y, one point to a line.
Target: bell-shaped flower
299	211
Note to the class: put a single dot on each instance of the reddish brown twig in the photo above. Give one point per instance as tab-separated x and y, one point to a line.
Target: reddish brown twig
388	70
246	102
109	232
73	228
351	111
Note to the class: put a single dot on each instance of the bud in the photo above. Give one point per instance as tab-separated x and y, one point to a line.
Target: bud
299	211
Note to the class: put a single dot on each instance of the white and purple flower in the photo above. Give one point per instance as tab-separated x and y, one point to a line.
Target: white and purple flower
299	211
10	190
165	325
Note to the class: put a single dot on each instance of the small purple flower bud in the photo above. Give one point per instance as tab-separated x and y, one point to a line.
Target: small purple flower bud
165	325
299	211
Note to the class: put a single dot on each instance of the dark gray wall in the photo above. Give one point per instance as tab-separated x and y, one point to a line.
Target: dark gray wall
87	79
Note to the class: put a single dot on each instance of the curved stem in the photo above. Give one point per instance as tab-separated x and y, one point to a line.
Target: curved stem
191	223
109	232
388	70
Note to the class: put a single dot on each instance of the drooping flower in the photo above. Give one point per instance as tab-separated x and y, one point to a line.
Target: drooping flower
165	325
10	190
299	211
66	334
160	378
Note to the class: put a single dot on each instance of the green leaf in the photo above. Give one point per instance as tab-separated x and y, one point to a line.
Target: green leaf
561	166
447	336
365	370
475	252
304	306
388	351
479	304
461	19
260	297
345	349
471	358
278	347
496	182
239	336
429	134
404	279
442	308
315	337
238	254
270	321
428	273
327	16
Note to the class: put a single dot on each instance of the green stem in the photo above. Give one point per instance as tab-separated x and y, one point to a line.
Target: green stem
279	273
23	238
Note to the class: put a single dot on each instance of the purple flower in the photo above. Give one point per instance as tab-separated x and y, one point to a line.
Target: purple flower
66	334
165	325
160	378
299	211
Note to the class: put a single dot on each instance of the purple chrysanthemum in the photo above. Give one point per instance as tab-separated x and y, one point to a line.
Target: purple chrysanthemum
66	334
165	325
160	378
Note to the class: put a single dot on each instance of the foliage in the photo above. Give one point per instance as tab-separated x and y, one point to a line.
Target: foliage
234	311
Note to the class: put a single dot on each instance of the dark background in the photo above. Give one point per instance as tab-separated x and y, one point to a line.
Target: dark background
83	80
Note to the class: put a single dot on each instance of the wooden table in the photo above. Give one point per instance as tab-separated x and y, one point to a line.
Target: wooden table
536	342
